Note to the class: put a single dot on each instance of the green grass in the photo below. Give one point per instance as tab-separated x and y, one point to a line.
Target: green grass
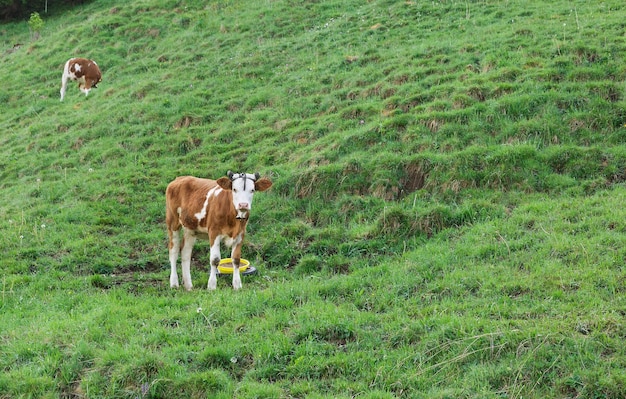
445	220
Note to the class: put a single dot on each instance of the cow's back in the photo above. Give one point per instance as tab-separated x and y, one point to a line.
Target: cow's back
185	187
80	67
185	197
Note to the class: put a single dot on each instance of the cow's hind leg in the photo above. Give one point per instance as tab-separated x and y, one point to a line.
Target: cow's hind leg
188	240
174	249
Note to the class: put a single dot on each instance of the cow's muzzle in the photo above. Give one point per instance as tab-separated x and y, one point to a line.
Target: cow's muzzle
243	210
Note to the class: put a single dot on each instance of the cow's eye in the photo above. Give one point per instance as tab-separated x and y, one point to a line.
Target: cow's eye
234	190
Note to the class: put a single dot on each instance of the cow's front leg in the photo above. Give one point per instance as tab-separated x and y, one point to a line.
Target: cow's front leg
188	240
215	261
236	258
83	87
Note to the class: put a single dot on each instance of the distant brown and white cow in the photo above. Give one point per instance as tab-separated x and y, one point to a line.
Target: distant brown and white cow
216	210
85	71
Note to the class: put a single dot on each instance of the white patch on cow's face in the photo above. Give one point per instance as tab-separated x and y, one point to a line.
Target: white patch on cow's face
243	190
77	67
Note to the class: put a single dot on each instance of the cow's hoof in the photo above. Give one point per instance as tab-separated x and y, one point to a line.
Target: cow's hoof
174	282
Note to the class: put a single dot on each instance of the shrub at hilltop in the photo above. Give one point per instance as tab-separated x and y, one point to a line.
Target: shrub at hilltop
14	9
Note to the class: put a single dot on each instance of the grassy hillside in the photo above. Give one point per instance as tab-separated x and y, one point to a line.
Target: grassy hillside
446	219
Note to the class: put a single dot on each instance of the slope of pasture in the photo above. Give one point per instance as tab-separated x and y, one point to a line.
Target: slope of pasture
444	220
526	306
353	108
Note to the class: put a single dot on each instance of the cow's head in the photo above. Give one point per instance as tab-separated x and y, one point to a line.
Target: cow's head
243	186
94	82
93	79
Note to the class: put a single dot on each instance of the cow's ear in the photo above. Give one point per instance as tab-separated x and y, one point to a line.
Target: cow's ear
225	183
262	184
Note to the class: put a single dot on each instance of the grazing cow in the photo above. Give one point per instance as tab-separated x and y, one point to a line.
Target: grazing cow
85	71
213	209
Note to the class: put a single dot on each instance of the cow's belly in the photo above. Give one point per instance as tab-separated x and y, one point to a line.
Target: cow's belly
203	234
80	79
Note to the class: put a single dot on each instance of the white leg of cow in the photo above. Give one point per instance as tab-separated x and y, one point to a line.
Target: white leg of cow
235	254
174	251
63	85
215	260
190	239
236	278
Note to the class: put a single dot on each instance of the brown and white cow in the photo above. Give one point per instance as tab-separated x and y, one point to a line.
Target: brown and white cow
85	71
216	210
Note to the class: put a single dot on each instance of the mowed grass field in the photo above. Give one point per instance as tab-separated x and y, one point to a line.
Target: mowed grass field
446	219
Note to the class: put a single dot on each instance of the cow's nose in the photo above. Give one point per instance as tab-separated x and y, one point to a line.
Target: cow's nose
244	206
